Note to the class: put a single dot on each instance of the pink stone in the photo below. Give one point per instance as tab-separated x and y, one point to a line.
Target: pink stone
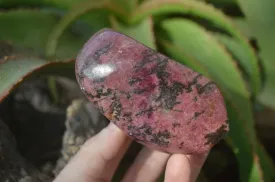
158	102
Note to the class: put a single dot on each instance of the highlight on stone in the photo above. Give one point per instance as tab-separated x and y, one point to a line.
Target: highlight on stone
158	102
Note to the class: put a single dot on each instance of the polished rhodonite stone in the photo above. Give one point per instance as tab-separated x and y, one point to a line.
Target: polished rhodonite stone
158	102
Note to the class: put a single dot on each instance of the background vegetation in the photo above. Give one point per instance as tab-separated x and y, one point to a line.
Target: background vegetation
230	41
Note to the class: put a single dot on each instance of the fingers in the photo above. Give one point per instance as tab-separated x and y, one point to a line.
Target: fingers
147	167
184	168
98	158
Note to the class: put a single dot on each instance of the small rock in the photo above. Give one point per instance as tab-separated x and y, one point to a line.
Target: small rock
155	100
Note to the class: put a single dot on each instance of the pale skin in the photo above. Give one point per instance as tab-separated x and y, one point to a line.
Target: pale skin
99	158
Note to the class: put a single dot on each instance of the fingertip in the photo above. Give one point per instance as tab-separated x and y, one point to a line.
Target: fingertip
147	166
184	168
178	169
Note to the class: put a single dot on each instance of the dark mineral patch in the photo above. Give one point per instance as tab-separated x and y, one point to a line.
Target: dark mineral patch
213	138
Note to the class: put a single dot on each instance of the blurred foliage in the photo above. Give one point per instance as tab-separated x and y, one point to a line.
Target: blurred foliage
44	36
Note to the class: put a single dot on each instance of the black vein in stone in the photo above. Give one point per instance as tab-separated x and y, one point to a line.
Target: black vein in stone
213	138
207	88
197	114
116	106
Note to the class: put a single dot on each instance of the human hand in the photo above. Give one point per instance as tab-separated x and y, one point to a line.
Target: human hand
99	157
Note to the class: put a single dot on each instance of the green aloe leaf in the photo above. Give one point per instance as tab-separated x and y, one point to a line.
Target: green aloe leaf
260	17
30	29
95	19
237	51
127	5
15	69
221	2
254	165
121	8
59	3
77	11
266	163
142	32
242	25
64	4
207	12
186	39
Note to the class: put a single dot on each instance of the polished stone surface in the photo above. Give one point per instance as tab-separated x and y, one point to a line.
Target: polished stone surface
155	100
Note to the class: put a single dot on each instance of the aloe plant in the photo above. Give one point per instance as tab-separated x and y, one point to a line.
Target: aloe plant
199	34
